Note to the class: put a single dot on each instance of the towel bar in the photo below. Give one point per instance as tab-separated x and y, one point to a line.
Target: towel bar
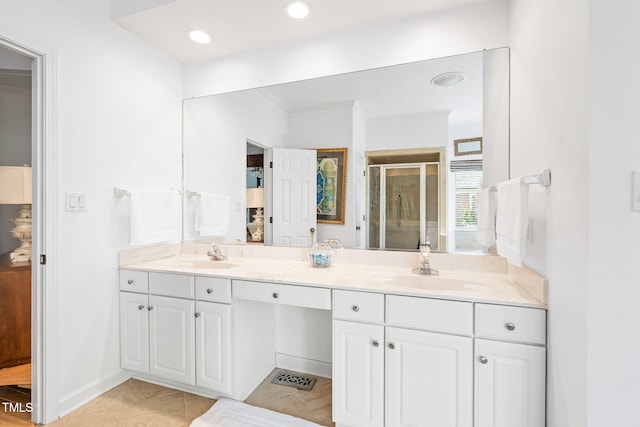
121	192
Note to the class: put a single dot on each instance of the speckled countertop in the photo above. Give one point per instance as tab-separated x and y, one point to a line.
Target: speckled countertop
462	277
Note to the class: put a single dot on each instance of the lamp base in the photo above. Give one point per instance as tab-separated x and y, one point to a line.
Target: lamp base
258	221
22	232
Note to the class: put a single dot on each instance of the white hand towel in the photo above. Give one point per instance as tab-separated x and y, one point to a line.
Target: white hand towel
511	220
212	215
154	216
486	234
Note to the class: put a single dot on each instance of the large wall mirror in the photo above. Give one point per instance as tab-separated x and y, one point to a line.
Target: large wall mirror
251	157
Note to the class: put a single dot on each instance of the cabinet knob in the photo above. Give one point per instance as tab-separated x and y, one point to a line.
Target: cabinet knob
392	345
209	290
130	281
150	308
140	307
375	343
197	315
483	360
355	308
510	326
275	295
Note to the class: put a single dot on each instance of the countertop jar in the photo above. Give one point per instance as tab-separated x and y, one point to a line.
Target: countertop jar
320	254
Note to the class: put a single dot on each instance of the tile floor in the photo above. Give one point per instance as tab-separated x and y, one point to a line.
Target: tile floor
140	404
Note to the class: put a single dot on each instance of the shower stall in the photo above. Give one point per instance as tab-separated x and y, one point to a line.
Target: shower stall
403	202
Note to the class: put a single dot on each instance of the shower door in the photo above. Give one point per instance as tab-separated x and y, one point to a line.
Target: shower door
403	205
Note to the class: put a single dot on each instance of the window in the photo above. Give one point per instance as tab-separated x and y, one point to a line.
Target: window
468	183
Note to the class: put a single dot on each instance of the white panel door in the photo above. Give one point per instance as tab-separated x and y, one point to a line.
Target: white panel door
358	374
172	339
134	332
213	346
429	379
294	197
510	384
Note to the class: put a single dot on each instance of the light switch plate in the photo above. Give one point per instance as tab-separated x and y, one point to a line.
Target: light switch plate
75	202
635	191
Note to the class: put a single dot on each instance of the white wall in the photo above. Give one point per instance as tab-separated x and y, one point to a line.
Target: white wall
118	120
419	130
613	231
216	129
549	129
329	127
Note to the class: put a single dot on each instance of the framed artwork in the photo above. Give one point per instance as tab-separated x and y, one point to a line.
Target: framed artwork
466	147
331	181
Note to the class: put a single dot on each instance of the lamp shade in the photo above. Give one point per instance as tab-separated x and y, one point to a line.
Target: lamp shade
255	197
15	185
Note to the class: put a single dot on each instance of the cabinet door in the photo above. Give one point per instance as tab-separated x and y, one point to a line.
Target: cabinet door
429	379
213	346
510	384
134	332
358	391
172	339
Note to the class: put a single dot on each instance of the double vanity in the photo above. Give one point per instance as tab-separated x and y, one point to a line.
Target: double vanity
464	348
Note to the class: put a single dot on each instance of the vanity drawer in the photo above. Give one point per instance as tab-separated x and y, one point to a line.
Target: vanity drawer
358	306
511	323
453	317
213	289
134	281
171	285
300	296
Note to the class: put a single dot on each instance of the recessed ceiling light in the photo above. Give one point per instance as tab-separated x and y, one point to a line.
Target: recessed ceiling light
198	36
447	79
298	9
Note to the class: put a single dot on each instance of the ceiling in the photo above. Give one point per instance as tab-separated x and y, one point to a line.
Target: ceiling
15	69
393	91
244	25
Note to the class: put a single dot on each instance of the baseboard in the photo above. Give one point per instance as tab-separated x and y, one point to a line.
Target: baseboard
79	397
300	364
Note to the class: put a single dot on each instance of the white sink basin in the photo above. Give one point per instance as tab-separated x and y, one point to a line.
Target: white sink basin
436	283
205	264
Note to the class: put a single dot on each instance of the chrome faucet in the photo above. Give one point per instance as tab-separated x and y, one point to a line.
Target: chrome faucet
215	254
425	262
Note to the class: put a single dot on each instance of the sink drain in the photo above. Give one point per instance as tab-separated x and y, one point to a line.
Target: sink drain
291	380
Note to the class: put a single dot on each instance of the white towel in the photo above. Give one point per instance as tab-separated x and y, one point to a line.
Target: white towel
231	413
511	220
212	215
486	234
154	216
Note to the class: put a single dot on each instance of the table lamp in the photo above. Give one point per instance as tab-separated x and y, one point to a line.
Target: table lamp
15	189
255	199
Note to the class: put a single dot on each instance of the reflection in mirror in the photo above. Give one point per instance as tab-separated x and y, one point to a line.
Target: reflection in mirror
404	180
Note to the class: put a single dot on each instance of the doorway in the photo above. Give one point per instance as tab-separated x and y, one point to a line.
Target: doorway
44	362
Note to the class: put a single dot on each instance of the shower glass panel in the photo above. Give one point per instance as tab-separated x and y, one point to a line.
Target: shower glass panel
403	205
402	208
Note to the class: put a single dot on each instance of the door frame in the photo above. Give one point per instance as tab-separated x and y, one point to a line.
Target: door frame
44	348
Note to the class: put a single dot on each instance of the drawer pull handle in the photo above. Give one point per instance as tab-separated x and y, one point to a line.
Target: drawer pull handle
355	308
140	307
130	281
392	345
510	327
483	360
375	343
150	308
197	315
275	295
209	291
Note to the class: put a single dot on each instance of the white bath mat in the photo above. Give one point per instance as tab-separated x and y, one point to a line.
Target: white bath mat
231	413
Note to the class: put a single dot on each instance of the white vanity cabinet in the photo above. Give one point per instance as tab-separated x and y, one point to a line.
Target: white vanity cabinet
167	334
509	366
397	376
